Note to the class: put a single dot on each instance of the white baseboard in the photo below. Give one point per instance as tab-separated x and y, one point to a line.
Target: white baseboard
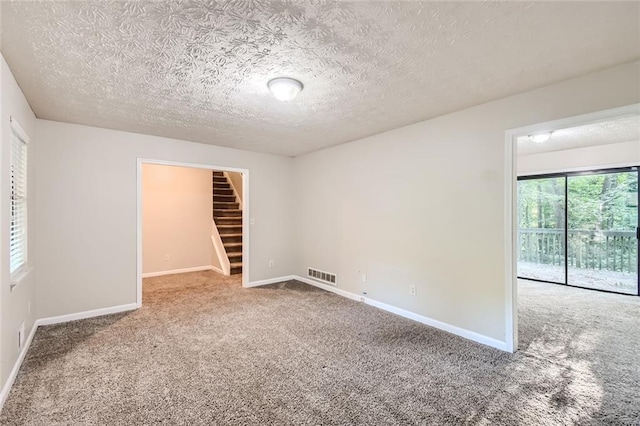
271	281
178	271
332	289
87	314
49	321
216	269
4	394
467	334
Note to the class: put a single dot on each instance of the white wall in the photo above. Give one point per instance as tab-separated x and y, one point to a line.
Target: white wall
593	157
177	211
419	205
424	204
236	182
14	305
87	211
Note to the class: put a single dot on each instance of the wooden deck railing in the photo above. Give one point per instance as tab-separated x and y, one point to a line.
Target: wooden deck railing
608	250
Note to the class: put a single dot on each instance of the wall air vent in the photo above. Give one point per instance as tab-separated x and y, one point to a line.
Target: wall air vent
325	277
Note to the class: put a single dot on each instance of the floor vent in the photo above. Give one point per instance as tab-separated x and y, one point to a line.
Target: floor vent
321	276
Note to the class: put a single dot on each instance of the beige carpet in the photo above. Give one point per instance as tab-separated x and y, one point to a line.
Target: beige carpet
205	351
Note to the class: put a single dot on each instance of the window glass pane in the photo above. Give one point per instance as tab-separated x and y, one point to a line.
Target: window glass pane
603	216
541	219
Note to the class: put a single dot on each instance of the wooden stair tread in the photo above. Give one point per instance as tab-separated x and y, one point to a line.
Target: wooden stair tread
227	217
227	213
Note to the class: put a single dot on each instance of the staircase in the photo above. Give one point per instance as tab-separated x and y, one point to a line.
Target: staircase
228	219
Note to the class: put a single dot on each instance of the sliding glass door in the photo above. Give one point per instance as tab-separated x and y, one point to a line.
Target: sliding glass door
603	217
580	229
541	222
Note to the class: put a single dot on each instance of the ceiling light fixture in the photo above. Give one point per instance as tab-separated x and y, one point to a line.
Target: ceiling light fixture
540	137
284	88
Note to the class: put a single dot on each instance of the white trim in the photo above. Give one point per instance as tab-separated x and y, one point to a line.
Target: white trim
331	288
87	314
245	215
16	366
50	321
271	281
139	233
578	120
581	168
19	276
245	227
217	270
467	334
235	192
177	271
16	127
133	306
510	235
510	200
220	250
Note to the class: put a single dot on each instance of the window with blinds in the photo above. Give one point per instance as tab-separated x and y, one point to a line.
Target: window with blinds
18	224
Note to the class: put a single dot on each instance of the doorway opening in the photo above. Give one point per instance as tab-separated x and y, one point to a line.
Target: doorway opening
191	218
571	205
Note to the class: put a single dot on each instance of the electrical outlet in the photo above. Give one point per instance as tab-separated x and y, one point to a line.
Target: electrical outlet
271	264
167	258
252	221
412	290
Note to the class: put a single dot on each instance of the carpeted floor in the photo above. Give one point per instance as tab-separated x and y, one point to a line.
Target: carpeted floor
205	351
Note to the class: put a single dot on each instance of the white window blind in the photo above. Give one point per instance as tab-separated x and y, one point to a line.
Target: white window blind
18	227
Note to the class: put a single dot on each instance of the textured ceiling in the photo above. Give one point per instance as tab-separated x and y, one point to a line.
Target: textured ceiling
624	129
198	70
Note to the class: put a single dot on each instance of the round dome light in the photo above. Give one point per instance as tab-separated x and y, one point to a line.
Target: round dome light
540	137
284	88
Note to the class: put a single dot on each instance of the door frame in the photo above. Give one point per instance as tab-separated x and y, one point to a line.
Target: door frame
139	224
510	204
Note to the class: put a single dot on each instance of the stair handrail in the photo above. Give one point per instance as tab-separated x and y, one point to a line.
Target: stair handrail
218	246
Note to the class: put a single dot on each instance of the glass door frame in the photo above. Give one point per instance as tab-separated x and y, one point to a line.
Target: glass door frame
566	176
